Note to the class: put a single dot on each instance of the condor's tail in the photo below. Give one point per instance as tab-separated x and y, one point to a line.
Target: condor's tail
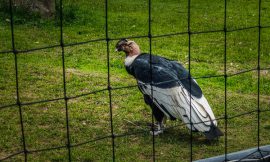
213	133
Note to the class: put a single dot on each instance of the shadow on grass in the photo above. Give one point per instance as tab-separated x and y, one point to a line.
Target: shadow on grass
172	134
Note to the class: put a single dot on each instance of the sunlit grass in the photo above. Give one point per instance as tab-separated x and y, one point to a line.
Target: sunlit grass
40	78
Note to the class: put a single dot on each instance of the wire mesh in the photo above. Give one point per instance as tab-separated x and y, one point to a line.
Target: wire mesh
109	88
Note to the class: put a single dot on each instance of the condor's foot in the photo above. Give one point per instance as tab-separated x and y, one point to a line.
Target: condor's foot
157	129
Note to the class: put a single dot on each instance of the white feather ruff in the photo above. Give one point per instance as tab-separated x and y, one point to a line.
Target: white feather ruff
129	60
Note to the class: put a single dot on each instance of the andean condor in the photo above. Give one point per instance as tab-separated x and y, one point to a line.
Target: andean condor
171	92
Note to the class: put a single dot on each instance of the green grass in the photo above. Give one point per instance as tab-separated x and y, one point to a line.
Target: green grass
40	77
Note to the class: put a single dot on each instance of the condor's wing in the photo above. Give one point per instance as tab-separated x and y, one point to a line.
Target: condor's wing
175	101
172	92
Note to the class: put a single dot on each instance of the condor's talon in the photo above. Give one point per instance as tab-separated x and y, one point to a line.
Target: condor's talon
157	129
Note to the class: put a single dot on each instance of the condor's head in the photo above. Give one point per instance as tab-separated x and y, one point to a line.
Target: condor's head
128	46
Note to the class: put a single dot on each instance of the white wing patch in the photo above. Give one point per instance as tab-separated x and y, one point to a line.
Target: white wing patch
176	101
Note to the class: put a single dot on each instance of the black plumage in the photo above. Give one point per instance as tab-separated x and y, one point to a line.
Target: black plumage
165	73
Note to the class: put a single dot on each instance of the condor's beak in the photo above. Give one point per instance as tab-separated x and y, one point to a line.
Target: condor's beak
118	49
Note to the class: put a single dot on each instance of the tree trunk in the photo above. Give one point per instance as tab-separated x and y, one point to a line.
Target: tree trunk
45	8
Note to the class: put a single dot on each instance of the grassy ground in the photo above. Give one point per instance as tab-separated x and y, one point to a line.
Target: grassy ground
40	78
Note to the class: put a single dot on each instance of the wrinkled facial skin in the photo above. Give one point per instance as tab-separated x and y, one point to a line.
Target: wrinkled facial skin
120	45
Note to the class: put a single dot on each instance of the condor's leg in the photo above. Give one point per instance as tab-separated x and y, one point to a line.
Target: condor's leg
158	114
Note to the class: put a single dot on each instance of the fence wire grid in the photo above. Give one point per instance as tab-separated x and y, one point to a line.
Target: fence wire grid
109	88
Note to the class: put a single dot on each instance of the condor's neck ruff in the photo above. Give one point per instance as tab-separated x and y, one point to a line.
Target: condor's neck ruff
129	60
